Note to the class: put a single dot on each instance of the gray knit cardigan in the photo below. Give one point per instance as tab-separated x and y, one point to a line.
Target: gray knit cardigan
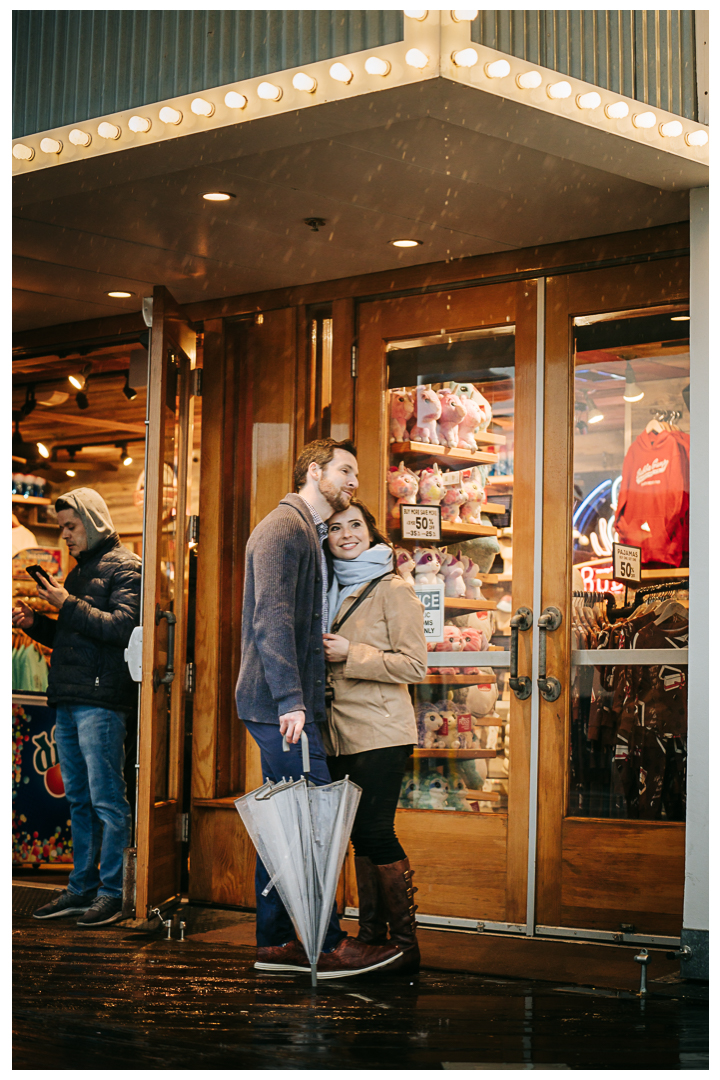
282	667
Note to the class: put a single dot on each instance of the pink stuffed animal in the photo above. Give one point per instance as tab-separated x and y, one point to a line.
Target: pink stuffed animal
473	590
432	486
453	412
402	407
451	571
427	410
427	566
468	390
403	486
452	642
455	498
471	510
405	565
474	416
473	641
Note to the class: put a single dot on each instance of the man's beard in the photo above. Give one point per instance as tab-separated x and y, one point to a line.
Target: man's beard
338	499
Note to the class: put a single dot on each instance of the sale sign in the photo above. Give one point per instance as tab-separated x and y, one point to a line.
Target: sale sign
420	522
626	564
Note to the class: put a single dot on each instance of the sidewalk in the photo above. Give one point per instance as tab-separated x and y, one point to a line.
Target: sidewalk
120	998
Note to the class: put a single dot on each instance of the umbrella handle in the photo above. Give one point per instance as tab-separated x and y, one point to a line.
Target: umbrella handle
305	746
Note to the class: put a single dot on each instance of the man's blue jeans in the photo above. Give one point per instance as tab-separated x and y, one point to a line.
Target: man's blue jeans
274	926
90	749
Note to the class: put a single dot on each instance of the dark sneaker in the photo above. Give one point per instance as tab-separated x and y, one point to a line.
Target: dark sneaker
288	957
103	910
353	957
64	903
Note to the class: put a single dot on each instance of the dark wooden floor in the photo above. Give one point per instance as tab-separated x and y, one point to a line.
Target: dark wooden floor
119	999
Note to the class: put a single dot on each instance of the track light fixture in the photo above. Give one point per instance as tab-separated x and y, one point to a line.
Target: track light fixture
78	380
632	390
81	399
126	459
129	392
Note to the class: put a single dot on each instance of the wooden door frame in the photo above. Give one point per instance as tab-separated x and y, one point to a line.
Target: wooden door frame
591	292
480	307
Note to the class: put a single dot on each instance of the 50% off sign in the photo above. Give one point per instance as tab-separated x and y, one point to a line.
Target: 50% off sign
420	522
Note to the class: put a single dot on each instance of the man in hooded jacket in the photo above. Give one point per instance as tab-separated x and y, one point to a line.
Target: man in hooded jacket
95	697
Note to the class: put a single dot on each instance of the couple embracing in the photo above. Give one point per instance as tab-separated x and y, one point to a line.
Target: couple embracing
315	566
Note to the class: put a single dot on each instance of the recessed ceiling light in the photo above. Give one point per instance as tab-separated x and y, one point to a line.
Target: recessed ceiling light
679	318
218	196
406	243
120	294
70	472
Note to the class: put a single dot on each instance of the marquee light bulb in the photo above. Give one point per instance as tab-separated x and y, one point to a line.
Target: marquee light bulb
529	80
589	101
169	115
696	138
301	81
341	73
269	92
21	152
466	58
671	129
80	138
498	69
139	124
50	146
201	107
645	120
417	59
419	15
559	90
375	66
108	131
617	111
464	16
235	101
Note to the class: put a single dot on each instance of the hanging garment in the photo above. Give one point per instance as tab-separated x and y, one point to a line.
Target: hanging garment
652	510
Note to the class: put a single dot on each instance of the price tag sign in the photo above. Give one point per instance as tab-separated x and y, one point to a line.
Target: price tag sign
420	522
626	564
432	598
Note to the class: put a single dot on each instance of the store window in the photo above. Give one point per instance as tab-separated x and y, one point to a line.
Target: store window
630	565
449	513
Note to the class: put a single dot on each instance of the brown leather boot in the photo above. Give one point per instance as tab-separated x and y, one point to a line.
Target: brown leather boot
373	923
397	891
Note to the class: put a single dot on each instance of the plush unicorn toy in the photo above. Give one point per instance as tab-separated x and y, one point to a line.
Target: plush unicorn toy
451	571
402	407
471	508
402	485
427	411
473	590
468	390
453	413
432	486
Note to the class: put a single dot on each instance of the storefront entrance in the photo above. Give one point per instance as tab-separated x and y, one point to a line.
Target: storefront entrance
523	809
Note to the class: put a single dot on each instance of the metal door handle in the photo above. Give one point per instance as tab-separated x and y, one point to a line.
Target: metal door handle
548	686
520	684
167	678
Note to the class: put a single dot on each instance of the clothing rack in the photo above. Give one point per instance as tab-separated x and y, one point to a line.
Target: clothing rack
649	592
668	416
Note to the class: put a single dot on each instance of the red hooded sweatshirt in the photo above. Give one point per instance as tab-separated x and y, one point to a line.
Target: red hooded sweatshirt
654	493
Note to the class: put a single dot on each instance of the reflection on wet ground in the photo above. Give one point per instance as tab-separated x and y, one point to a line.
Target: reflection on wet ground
123	999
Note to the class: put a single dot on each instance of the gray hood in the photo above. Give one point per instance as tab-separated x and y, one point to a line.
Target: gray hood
93	512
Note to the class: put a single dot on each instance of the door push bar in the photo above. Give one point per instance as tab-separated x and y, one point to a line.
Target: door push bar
520	684
167	678
548	686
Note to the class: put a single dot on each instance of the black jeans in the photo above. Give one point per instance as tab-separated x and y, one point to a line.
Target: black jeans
379	773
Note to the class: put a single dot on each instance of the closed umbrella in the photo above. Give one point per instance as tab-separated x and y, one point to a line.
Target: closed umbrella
301	832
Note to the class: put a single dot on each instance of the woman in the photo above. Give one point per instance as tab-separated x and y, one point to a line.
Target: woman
371	722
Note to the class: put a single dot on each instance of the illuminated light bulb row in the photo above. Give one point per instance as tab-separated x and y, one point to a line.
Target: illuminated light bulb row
457	16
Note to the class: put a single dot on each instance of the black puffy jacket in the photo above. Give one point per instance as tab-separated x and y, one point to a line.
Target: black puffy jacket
93	629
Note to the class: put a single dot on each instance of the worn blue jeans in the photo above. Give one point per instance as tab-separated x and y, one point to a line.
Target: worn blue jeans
90	749
274	926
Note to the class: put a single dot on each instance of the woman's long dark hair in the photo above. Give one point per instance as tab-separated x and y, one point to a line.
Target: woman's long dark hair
376	537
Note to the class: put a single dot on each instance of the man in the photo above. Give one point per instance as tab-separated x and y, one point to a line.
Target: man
281	686
90	686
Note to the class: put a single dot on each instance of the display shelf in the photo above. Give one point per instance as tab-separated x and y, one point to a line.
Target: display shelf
457	680
488	579
460	755
443	454
460	604
500	481
475	795
493	508
465	530
671	574
31	500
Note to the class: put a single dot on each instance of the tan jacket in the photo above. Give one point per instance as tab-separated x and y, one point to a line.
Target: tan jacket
372	706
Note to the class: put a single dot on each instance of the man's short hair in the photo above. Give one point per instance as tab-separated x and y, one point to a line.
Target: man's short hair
321	451
62	504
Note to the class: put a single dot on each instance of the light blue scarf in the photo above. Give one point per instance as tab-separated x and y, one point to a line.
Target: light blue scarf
349	573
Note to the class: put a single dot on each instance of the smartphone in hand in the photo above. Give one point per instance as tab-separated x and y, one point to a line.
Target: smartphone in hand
39	575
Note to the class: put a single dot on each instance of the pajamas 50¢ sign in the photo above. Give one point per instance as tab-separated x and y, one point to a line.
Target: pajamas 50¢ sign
420	522
626	564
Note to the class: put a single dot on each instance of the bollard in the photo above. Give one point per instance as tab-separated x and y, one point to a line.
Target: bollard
167	923
643	958
182	931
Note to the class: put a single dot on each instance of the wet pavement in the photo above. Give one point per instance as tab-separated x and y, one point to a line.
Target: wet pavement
128	999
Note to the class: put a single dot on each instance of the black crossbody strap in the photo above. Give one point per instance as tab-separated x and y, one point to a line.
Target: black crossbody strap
358	600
